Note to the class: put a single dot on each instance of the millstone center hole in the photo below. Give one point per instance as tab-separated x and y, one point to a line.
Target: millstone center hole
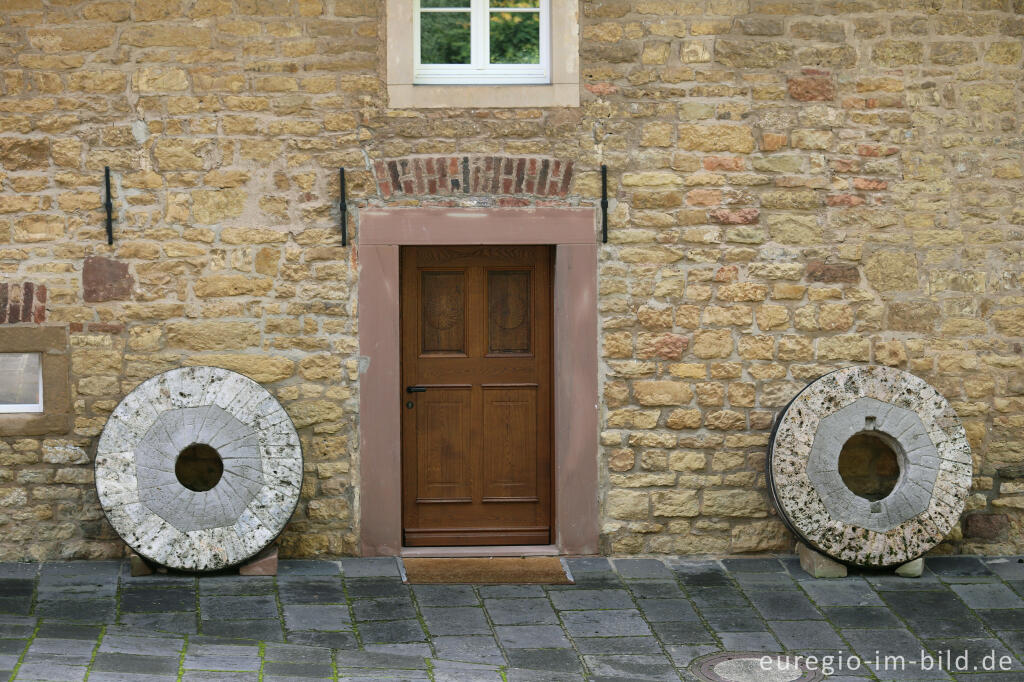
869	466
199	467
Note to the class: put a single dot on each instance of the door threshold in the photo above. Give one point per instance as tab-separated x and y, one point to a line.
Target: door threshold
481	551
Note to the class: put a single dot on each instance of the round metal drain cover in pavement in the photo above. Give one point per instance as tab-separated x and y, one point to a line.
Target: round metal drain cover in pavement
753	666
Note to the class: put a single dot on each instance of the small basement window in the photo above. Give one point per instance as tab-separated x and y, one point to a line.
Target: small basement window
21	382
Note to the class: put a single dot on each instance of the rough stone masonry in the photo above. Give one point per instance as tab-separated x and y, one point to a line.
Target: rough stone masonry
796	186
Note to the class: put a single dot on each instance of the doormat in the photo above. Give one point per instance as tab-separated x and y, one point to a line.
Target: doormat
534	569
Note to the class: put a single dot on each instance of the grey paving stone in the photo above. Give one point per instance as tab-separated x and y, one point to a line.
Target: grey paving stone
661	610
312	591
682	632
591	599
861	617
392	631
151	646
316	617
531	637
510	591
418	649
284	669
927	605
353	658
605	623
520	611
639	667
291	653
617	645
370	567
332	640
383	609
529	675
375	587
976	650
559	660
67	631
734	620
227	608
753	565
593	581
798	635
700	573
717	597
222	585
957	566
1007	568
763	580
63	647
458	620
965	627
12	646
108	676
142	600
17	629
750	641
1002	619
894	583
179	623
455	671
1015	640
655	589
78	610
287	569
473	648
842	593
889	641
783	605
988	596
14	570
684	655
21	606
594	564
16	587
642	569
266	629
445	595
217	676
51	671
131	663
200	661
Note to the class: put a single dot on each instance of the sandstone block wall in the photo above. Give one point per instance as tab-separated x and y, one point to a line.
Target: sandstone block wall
797	186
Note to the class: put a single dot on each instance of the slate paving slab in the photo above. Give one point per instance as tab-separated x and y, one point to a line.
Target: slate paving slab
632	619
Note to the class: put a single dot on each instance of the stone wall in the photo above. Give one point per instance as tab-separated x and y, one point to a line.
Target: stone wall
796	186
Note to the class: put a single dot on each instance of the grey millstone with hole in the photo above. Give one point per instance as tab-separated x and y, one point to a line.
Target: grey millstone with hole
166	522
915	421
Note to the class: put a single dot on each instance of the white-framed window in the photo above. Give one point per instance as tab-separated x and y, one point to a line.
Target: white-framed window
21	382
482	42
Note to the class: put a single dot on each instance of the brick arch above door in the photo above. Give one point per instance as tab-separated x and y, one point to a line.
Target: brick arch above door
514	180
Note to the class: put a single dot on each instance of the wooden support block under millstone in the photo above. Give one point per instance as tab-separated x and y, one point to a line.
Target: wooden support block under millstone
911	569
819	565
139	566
264	563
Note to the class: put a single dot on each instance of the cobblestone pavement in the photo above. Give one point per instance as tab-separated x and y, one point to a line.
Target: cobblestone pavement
626	619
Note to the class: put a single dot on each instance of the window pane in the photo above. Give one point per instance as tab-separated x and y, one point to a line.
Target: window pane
444	38
19	378
515	3
515	38
444	3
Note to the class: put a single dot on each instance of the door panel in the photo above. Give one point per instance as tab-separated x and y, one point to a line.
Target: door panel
476	442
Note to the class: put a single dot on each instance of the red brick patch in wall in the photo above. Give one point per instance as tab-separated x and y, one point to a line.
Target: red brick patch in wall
25	302
493	175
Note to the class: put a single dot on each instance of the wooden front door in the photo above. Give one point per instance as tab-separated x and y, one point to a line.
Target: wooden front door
476	395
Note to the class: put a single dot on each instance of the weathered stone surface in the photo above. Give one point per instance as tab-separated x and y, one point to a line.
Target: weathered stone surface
178	526
104	279
919	425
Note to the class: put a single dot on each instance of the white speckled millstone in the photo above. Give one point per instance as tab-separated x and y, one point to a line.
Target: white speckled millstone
174	526
915	421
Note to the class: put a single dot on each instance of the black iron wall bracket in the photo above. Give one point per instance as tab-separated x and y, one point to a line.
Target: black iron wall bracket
604	204
343	206
109	205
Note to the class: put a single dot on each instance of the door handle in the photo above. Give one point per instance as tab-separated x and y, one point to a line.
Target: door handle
415	389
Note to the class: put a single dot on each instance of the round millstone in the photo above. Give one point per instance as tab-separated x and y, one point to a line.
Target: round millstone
250	497
753	667
913	419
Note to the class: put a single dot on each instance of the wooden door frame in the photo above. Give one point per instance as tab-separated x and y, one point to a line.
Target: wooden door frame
575	446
